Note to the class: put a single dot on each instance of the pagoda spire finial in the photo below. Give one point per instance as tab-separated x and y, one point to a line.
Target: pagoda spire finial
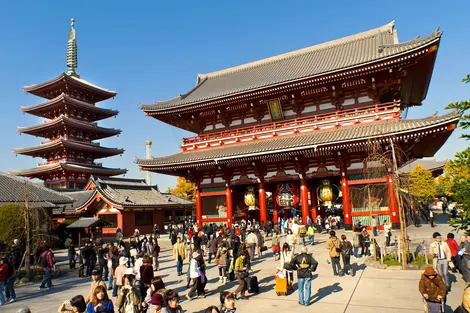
72	57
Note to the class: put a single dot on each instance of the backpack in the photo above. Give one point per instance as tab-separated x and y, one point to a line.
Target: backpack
42	261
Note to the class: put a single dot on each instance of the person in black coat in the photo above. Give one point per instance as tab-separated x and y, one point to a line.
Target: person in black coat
305	265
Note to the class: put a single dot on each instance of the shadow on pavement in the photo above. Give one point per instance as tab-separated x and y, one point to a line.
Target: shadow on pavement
326	291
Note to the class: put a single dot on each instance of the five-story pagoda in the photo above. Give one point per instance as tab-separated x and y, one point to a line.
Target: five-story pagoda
70	128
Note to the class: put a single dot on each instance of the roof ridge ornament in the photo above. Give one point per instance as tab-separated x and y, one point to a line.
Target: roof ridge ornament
72	50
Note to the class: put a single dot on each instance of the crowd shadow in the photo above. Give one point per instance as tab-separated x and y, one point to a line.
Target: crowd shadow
326	291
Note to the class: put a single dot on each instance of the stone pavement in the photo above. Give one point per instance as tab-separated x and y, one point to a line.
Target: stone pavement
370	290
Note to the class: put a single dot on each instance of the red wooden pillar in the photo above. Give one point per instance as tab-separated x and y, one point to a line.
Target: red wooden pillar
275	206
228	203
392	203
304	199
198	208
263	214
346	200
314	202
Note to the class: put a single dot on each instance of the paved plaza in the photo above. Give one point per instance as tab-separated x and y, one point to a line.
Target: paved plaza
370	290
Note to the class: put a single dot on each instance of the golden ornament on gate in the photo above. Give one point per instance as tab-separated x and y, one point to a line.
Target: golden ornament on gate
250	198
326	193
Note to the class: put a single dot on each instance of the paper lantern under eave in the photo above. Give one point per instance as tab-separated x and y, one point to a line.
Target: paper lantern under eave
250	198
287	195
327	193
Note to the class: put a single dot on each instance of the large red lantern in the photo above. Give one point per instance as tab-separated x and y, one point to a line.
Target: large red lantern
287	195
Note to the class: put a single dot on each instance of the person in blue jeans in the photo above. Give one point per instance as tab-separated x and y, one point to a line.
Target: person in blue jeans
46	260
305	265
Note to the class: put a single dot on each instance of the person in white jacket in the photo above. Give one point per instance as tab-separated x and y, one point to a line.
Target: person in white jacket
194	274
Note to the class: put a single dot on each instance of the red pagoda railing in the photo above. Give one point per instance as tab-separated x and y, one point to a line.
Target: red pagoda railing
317	121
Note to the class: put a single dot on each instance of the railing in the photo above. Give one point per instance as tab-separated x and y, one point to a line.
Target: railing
304	121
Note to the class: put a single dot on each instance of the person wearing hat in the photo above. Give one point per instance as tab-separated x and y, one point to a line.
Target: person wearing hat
194	274
119	274
96	280
431	285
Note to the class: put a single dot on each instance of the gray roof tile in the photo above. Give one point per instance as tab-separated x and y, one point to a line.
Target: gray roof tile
355	50
321	137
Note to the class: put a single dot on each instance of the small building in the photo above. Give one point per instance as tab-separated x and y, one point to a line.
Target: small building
128	204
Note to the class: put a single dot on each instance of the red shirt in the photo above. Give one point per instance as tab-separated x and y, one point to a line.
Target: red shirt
453	246
3	272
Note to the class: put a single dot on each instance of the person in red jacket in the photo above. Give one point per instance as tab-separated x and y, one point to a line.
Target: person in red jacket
3	279
146	270
454	249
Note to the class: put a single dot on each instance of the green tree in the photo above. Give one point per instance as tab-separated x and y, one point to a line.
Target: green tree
11	222
456	180
422	183
185	189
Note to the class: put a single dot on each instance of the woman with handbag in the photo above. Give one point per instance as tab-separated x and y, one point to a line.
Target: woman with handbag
242	273
285	260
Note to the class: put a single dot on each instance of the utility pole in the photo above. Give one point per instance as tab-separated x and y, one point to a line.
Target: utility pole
401	213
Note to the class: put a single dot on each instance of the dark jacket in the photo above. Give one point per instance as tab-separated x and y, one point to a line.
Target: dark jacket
146	273
305	265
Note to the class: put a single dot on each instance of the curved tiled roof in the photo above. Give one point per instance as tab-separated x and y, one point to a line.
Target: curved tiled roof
302	141
13	190
348	52
127	192
70	143
69	166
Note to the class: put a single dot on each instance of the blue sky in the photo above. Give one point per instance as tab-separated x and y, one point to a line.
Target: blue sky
153	50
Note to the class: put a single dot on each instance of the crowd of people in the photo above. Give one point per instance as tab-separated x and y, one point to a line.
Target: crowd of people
127	269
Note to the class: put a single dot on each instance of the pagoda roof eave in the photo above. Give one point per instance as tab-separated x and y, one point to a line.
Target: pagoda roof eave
104	132
316	140
36	89
68	167
379	45
69	143
69	100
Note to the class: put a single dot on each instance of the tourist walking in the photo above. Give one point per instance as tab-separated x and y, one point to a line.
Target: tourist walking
387	233
311	234
333	244
179	254
251	243
464	254
346	252
146	271
373	223
155	254
227	302
119	274
454	249
285	263
305	264
194	274
221	259
441	254
3	279
212	247
242	273
291	241
365	244
77	303
99	301
71	256
46	262
431	286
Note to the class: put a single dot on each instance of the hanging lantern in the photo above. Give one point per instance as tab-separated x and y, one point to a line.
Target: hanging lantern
327	194
287	195
250	198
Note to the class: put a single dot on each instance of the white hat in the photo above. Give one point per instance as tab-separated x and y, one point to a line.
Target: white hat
195	254
123	260
16	241
129	271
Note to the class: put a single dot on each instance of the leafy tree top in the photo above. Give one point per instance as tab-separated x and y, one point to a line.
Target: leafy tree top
422	183
463	106
184	189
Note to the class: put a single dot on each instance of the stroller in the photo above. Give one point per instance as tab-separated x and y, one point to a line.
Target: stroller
433	305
